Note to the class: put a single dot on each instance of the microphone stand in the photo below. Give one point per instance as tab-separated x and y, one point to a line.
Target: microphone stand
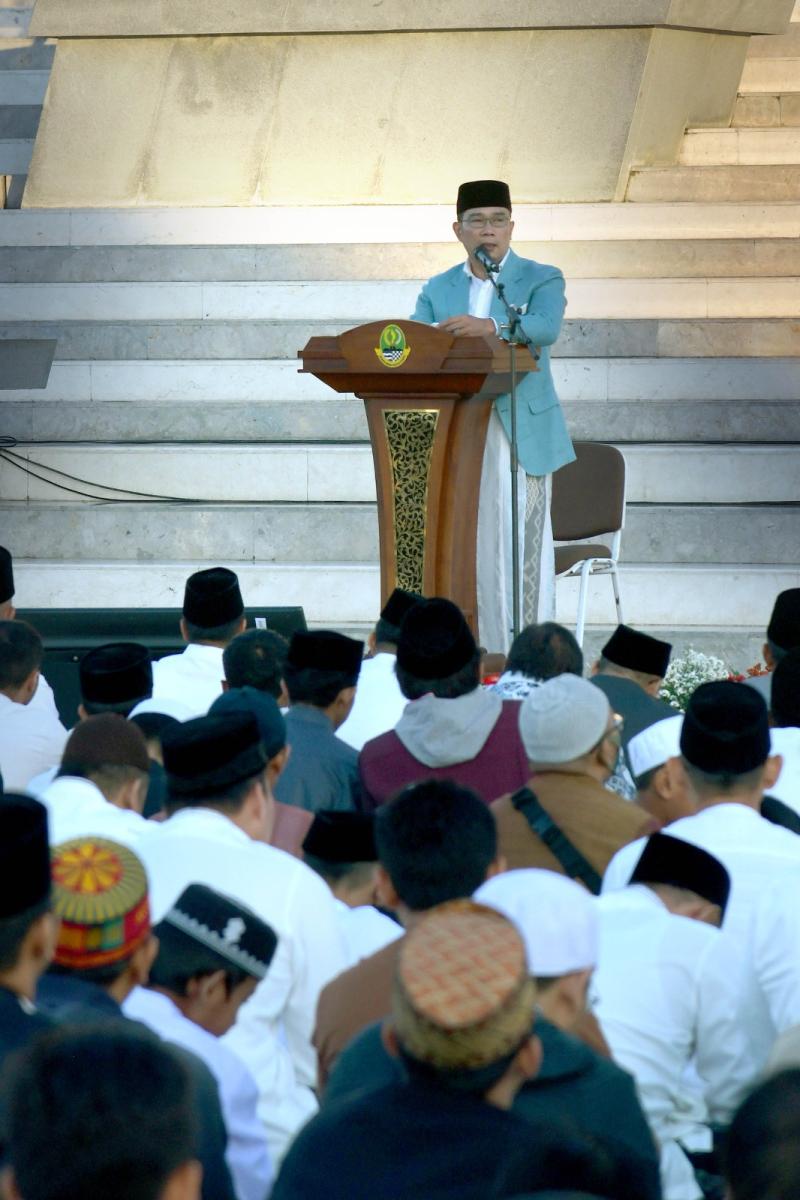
516	337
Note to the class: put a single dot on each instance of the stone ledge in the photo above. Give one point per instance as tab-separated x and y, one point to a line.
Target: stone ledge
158	18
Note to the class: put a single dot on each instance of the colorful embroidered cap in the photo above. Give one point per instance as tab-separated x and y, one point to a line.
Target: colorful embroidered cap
100	894
463	998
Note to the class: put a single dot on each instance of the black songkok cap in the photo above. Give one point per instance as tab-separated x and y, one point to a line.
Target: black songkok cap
342	837
637	651
483	193
398	605
784	624
271	725
205	756
725	729
230	930
116	673
212	598
24	855
435	640
6	575
669	860
326	651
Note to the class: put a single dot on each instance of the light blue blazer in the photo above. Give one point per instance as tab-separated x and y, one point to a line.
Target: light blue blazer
544	444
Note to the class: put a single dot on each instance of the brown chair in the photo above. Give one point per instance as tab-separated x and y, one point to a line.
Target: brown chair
589	501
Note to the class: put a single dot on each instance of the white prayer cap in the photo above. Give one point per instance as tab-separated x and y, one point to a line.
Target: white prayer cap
654	745
164	705
562	719
556	917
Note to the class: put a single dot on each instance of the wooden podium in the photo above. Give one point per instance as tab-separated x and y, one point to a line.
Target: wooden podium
428	397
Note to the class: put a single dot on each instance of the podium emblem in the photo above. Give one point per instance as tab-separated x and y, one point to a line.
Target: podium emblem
392	349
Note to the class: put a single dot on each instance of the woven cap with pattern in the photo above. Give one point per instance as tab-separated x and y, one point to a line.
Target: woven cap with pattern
100	894
463	998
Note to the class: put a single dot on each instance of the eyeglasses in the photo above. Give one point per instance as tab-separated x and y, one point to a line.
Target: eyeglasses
499	221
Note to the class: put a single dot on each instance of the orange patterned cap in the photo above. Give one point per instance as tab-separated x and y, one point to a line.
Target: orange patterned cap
463	996
100	894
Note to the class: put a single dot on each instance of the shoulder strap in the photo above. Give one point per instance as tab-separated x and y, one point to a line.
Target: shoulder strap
572	861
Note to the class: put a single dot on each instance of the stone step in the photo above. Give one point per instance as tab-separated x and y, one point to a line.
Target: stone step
27	54
771	75
667	596
776	45
742	184
582	259
231	340
15	157
761	109
264	382
125	531
392	224
355	301
20	88
338	420
739	147
324	474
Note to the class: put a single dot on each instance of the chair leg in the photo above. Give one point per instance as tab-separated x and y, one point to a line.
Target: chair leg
586	570
615	585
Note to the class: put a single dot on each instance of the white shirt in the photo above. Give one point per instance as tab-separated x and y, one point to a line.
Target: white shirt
786	742
77	808
193	677
481	292
663	1001
364	930
273	1030
31	739
378	705
246	1153
762	916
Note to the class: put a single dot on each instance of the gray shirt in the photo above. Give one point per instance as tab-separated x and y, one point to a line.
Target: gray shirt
322	771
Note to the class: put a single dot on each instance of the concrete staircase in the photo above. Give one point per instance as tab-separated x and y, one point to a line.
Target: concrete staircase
24	71
175	429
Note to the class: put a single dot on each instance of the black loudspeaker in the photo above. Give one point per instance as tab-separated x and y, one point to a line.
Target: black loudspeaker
68	633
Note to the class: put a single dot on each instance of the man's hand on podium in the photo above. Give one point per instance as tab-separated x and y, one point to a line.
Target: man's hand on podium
467	326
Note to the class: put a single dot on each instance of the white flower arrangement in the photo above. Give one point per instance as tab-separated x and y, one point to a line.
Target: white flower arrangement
686	673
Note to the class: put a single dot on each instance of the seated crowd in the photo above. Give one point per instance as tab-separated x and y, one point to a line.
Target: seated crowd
314	920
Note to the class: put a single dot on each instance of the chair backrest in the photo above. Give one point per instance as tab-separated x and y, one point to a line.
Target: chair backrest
589	493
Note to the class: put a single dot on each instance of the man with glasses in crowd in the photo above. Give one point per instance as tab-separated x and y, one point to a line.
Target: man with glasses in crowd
462	301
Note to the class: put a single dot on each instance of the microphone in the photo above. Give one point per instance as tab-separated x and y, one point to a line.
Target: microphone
489	265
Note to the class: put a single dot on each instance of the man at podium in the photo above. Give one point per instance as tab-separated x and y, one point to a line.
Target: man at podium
463	302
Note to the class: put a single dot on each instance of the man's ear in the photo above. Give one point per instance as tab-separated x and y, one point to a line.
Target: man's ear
385	893
184	1182
389	1039
207	989
769	661
184	629
497	866
528	1059
277	764
595	667
142	960
653	685
772	769
372	642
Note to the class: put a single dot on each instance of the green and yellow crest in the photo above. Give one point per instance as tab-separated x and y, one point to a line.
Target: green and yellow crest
392	349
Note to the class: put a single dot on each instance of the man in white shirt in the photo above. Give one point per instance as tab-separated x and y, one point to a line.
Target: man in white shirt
659	791
379	703
212	952
100	787
43	698
340	847
213	614
220	785
664	1004
31	736
785	734
726	766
